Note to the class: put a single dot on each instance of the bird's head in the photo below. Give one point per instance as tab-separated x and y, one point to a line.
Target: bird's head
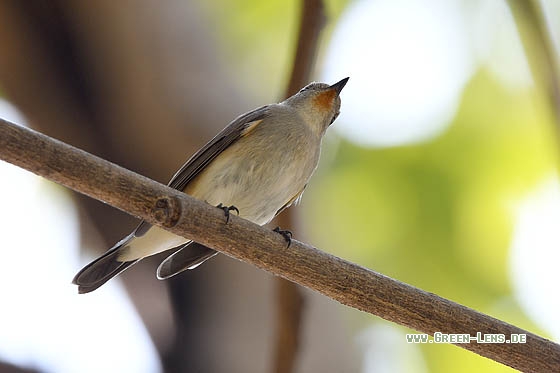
318	104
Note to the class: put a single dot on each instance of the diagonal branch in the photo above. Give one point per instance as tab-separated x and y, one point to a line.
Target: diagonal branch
336	278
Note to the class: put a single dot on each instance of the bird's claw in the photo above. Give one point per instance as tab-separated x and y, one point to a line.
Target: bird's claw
286	234
227	210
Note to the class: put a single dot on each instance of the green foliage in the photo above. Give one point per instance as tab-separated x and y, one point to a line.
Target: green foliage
439	215
258	38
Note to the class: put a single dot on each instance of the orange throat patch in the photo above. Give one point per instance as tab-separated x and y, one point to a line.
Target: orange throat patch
325	99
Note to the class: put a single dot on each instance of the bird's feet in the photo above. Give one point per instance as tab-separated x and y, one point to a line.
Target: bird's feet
286	234
227	210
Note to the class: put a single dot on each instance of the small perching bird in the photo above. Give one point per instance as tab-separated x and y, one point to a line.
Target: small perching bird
257	166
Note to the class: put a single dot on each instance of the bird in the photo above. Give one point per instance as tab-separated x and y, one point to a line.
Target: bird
257	166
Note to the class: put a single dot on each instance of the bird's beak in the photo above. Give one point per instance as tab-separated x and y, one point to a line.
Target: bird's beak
338	86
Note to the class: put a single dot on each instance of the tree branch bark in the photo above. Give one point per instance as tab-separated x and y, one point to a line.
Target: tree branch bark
336	278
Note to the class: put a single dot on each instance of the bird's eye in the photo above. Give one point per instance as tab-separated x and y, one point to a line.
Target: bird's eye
334	117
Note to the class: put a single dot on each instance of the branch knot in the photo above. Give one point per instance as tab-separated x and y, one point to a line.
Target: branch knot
167	211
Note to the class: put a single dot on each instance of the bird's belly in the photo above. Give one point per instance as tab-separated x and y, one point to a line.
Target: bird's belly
257	188
257	198
258	205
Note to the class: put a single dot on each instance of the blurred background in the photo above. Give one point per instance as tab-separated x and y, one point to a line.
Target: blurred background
441	172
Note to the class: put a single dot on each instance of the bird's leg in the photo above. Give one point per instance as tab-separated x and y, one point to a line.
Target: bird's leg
286	234
227	210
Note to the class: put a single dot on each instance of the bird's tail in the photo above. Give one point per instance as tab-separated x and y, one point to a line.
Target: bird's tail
103	268
189	256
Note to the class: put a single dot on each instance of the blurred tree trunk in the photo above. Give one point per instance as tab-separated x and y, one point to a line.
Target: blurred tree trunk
289	297
539	50
8	368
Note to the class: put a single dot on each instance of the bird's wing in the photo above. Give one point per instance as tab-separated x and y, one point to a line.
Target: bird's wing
189	256
238	128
